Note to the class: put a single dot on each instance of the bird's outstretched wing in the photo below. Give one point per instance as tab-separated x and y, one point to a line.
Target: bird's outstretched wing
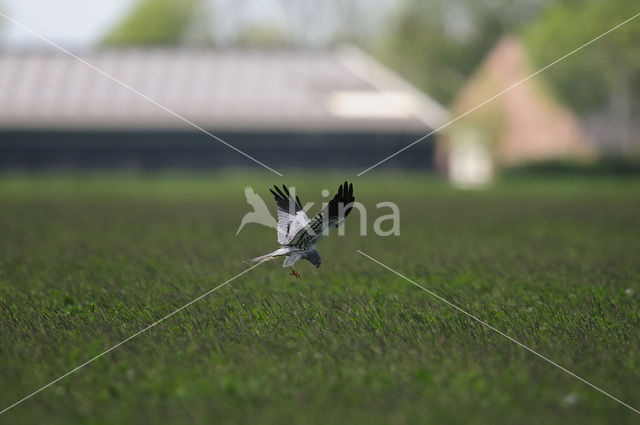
329	218
291	216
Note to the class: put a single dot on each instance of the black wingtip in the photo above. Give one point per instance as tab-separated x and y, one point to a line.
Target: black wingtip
285	200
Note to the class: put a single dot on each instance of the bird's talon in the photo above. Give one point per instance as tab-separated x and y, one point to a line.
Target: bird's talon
295	273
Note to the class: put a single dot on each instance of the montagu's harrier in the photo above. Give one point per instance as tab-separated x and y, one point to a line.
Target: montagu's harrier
297	234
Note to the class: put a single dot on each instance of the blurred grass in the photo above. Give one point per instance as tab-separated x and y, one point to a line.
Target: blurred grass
87	260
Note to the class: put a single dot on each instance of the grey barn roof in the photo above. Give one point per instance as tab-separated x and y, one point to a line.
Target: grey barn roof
340	90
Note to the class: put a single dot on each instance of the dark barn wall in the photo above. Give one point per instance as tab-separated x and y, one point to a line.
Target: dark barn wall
187	149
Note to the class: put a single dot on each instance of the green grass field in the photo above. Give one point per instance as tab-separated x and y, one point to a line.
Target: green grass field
88	260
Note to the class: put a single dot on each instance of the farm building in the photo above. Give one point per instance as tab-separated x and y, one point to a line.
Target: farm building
523	125
335	108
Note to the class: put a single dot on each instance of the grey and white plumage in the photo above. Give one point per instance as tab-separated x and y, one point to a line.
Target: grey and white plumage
297	234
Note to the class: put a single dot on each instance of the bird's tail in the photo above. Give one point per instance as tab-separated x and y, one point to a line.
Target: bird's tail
270	256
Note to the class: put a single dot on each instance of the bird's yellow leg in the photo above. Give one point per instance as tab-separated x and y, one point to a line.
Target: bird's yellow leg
295	273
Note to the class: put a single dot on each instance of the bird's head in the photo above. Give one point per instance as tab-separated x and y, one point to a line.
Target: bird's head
314	258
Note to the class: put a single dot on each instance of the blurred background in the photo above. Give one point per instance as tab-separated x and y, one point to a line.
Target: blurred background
114	212
333	84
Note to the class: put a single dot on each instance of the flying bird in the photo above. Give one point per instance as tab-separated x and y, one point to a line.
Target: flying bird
260	213
297	234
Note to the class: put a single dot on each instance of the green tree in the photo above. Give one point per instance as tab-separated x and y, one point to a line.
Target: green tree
262	36
604	77
437	44
155	22
605	70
